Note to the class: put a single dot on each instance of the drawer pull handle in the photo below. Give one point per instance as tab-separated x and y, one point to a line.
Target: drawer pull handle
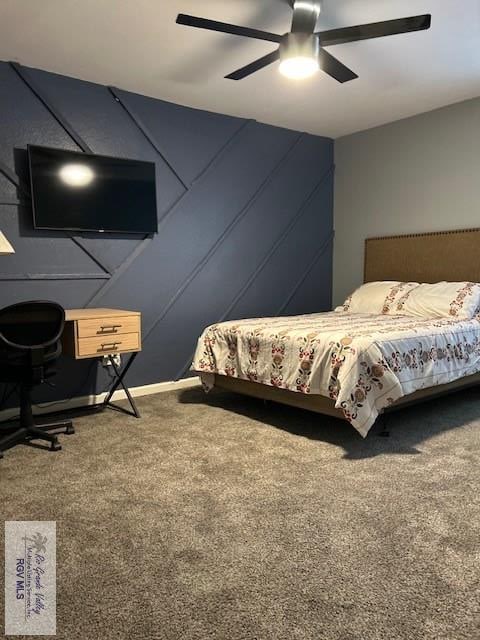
112	345
109	328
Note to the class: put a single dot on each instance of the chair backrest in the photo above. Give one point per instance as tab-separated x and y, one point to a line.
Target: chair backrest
32	330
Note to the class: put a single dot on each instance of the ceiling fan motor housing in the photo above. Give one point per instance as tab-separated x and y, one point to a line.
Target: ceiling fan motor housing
299	45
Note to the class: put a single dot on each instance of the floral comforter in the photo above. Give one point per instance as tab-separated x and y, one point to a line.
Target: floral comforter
363	362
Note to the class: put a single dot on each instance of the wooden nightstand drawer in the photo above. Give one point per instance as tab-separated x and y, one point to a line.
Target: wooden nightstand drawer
110	326
117	343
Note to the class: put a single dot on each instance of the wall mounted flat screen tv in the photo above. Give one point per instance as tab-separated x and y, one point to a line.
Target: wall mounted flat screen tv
85	192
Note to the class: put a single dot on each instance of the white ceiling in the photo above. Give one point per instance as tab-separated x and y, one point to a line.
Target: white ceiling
136	45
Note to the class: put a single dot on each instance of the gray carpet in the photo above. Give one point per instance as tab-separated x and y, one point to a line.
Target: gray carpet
225	519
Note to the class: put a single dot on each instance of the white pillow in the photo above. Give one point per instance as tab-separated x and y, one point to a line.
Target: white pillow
369	298
458	300
395	295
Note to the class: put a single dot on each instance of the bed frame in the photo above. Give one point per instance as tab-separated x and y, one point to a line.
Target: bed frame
421	257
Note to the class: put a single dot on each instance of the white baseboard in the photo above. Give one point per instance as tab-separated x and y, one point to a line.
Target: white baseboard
85	401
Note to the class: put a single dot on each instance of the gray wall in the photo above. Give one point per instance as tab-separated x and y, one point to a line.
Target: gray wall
245	218
414	175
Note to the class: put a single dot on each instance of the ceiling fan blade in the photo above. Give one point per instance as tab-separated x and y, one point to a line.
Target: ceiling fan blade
224	27
374	30
335	68
239	74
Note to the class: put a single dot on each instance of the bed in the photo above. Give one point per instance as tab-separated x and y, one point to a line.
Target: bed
357	366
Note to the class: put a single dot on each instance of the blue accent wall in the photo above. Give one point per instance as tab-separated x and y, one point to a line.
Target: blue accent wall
245	215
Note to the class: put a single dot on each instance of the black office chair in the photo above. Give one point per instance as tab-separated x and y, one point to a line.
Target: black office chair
30	343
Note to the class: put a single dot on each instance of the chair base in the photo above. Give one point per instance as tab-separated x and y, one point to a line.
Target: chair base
47	432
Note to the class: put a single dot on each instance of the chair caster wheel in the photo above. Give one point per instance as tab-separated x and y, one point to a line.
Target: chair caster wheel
55	446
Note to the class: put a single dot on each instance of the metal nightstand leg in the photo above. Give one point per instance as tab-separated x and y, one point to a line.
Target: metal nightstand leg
119	382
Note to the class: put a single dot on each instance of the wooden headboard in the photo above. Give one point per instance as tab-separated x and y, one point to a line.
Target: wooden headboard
424	257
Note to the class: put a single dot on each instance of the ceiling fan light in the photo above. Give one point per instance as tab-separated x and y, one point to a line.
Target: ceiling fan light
299	67
299	54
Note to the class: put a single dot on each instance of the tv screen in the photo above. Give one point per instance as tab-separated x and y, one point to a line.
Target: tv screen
85	192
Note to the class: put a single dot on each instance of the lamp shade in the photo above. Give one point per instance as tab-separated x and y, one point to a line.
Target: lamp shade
5	246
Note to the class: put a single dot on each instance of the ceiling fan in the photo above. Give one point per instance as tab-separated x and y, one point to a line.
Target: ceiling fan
301	51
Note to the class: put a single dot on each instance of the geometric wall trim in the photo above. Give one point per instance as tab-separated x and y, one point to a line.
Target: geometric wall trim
245	223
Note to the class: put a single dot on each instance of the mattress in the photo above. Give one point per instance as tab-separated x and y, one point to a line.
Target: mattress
363	362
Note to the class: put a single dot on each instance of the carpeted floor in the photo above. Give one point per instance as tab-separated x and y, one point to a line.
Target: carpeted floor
222	518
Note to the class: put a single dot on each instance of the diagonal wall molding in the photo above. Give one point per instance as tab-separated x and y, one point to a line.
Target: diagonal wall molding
53	276
244	162
170	212
221	239
311	265
275	246
318	254
144	129
266	259
90	254
120	271
74	135
205	173
62	121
